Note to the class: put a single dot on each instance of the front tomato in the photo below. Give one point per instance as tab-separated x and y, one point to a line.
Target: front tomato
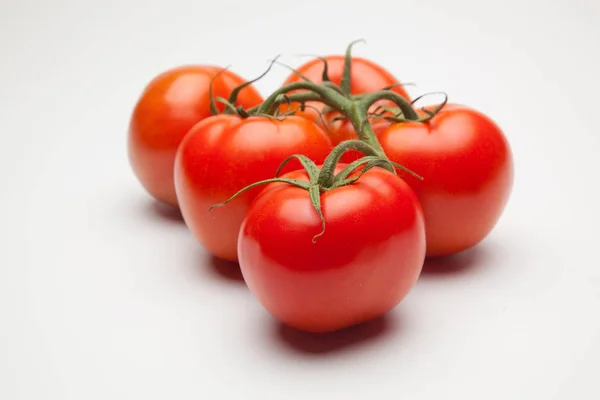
467	166
169	106
221	155
365	263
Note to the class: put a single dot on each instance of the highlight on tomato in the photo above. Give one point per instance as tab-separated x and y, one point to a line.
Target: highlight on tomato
169	106
326	249
467	168
224	153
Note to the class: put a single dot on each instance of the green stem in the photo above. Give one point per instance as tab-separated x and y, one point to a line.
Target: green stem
357	114
325	94
356	111
368	100
327	174
291	98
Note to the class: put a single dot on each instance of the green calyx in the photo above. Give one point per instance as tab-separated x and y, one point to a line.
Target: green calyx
354	108
325	179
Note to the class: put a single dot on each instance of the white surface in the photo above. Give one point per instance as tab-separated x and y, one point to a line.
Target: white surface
103	297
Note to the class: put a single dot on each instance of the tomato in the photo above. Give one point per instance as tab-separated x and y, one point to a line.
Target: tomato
169	106
367	260
223	154
467	166
366	77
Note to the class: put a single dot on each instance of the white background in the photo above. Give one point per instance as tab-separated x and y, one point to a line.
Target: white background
104	295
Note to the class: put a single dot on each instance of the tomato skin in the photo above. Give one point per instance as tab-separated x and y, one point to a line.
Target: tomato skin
365	263
467	166
223	154
366	77
169	106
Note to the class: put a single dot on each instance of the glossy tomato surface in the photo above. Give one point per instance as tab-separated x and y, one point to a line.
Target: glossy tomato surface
223	154
366	76
365	263
169	106
467	166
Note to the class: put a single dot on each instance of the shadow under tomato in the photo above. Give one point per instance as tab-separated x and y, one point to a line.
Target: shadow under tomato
325	343
227	270
164	211
461	263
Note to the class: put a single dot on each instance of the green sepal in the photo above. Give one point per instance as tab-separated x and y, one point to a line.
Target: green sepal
236	91
307	164
300	184
345	84
315	198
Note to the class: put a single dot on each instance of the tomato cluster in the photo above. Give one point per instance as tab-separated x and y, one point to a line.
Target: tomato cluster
331	191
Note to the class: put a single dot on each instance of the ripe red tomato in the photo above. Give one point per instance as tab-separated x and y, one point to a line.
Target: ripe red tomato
223	154
168	107
369	257
366	77
467	166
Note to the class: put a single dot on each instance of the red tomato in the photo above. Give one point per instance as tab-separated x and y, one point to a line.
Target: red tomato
368	259
223	154
366	77
467	166
168	107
